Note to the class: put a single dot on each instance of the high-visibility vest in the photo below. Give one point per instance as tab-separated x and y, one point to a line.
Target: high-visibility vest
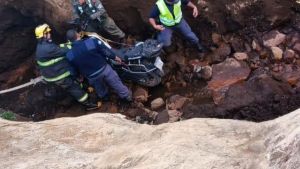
166	16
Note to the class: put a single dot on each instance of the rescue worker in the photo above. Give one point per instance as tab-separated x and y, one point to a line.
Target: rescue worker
88	56
99	20
171	19
55	68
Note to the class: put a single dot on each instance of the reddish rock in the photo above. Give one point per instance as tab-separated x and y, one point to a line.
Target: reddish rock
237	44
221	53
273	38
264	54
226	74
297	48
277	53
174	115
176	102
289	73
216	38
206	72
176	58
141	95
196	64
157	103
256	46
289	56
240	56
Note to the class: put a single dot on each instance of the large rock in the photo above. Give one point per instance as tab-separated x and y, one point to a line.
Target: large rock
277	53
289	73
240	56
157	103
110	141
273	38
221	53
226	74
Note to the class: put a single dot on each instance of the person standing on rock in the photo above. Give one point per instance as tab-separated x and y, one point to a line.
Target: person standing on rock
55	68
171	19
88	56
97	17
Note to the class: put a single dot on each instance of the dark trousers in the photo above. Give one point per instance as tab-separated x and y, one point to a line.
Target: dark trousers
183	28
73	88
109	78
108	25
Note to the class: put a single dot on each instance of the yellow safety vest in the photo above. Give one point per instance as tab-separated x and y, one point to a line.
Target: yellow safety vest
166	16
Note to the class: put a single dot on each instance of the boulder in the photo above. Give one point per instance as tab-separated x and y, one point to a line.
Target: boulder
176	102
288	73
273	38
216	38
256	46
174	115
141	94
277	53
157	103
206	73
110	141
221	53
297	48
289	56
226	74
240	56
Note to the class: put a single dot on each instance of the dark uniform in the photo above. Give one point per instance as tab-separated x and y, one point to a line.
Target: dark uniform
98	17
89	57
56	69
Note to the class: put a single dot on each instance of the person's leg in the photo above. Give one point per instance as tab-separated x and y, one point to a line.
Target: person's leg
100	86
111	28
165	37
113	80
73	88
187	32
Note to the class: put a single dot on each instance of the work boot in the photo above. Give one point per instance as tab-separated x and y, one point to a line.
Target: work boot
200	48
125	102
89	106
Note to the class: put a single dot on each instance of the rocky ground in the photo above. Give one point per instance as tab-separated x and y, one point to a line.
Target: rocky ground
110	141
251	72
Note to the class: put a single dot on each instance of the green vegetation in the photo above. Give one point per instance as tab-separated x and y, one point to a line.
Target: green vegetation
8	115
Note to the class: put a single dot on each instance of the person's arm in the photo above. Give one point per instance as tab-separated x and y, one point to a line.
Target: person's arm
194	7
56	51
156	26
153	15
75	10
99	5
105	51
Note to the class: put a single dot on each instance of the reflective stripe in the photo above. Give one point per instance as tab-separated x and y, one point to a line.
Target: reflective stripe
50	62
166	16
83	98
80	9
66	45
60	77
97	72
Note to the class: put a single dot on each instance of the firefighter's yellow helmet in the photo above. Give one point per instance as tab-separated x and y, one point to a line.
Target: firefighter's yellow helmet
41	30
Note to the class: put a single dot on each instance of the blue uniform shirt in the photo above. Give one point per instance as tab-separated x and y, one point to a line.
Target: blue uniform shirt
89	56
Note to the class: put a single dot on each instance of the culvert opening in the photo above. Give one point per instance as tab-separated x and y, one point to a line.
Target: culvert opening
264	88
